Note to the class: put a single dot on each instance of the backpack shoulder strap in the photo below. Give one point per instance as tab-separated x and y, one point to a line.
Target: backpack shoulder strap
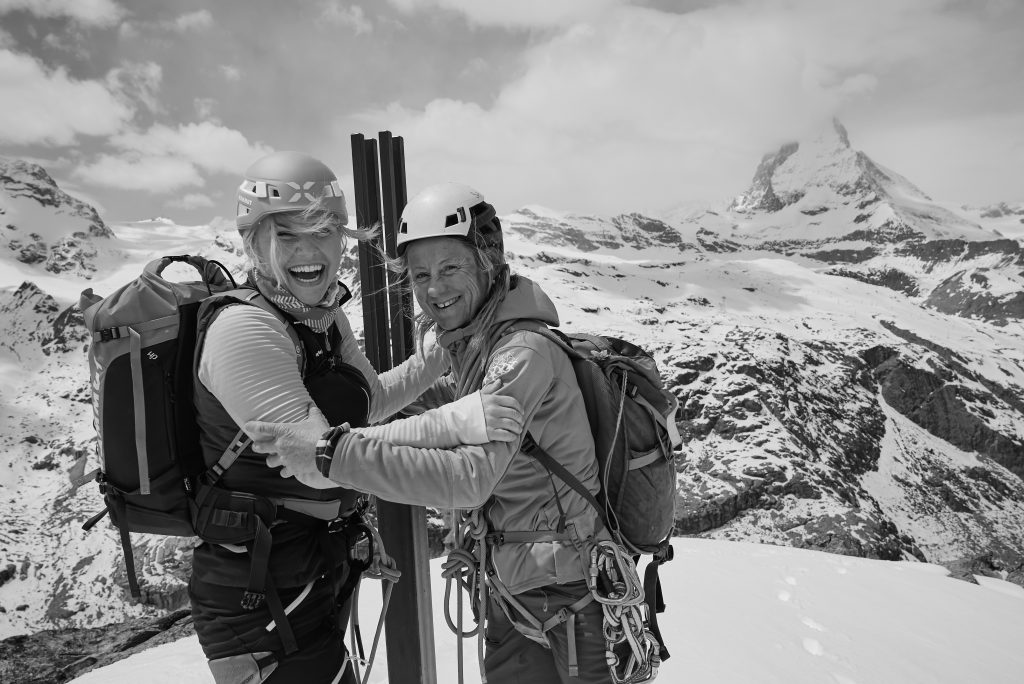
556	336
529	445
531	448
248	295
254	297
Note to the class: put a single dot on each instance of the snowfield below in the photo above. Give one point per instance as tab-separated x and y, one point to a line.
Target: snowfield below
741	613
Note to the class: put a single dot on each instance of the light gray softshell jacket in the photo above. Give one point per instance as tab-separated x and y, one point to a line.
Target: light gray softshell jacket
515	490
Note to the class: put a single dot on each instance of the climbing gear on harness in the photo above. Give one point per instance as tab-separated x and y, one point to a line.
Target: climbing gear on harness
368	549
633	652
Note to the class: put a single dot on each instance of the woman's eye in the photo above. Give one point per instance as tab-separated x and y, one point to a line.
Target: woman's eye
421	277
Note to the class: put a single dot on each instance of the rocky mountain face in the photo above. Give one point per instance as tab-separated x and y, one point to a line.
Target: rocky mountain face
848	356
44	225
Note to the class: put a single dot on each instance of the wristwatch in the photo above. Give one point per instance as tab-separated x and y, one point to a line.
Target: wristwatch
325	448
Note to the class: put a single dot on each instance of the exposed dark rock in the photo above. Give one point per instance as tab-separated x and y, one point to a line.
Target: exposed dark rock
843	256
890	278
941	408
55	656
960	298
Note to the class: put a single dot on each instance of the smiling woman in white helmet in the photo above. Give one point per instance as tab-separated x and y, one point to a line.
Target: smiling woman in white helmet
527	532
270	351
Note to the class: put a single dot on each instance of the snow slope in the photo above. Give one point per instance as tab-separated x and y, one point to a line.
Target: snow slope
741	613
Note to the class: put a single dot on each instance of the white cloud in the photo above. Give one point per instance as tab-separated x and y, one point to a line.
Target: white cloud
514	13
207	145
149	173
230	73
205	108
192	21
163	159
136	81
636	108
192	200
351	16
102	13
50	107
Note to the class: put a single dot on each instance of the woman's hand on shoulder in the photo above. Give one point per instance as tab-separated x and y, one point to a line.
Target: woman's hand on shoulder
503	414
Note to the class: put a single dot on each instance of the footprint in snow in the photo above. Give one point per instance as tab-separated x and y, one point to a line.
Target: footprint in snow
814	647
812	624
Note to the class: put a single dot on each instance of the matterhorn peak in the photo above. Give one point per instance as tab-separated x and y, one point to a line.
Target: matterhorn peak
823	161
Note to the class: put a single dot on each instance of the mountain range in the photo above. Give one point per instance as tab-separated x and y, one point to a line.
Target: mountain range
848	354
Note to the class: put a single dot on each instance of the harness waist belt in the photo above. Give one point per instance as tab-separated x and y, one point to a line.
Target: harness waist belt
322	510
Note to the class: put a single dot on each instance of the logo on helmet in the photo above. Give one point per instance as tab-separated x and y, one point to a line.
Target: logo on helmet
299	194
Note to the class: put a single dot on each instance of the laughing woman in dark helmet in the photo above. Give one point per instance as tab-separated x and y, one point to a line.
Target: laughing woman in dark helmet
534	533
274	609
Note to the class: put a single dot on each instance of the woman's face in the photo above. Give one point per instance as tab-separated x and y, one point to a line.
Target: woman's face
304	263
446	281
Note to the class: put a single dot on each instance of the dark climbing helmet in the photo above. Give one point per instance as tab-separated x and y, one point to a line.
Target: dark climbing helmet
287	181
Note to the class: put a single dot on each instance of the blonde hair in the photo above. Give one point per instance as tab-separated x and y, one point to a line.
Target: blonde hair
314	218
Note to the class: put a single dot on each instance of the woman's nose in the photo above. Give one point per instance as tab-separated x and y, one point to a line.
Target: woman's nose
305	247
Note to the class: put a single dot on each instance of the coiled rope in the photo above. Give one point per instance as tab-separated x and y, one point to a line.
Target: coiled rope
464	565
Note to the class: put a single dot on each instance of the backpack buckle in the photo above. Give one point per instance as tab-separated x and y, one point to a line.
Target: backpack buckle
664	554
251	600
108	334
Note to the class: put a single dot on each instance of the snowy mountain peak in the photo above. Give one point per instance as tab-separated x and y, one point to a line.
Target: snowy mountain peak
43	225
825	162
22	179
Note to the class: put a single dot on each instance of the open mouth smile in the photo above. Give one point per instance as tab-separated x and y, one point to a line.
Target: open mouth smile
445	304
307	274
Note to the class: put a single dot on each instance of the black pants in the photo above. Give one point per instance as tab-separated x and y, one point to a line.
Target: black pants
226	631
246	645
512	658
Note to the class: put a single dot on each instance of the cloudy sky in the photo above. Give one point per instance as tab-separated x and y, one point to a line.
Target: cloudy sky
155	107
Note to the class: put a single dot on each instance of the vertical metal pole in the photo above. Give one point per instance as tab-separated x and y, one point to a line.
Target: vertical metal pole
409	623
371	265
392	181
401	195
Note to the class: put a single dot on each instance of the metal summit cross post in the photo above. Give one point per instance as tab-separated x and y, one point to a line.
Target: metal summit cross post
388	335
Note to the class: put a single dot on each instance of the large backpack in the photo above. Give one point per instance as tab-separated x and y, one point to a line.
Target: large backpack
152	472
632	420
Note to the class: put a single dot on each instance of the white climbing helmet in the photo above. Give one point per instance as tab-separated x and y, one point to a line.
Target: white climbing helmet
287	181
449	210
